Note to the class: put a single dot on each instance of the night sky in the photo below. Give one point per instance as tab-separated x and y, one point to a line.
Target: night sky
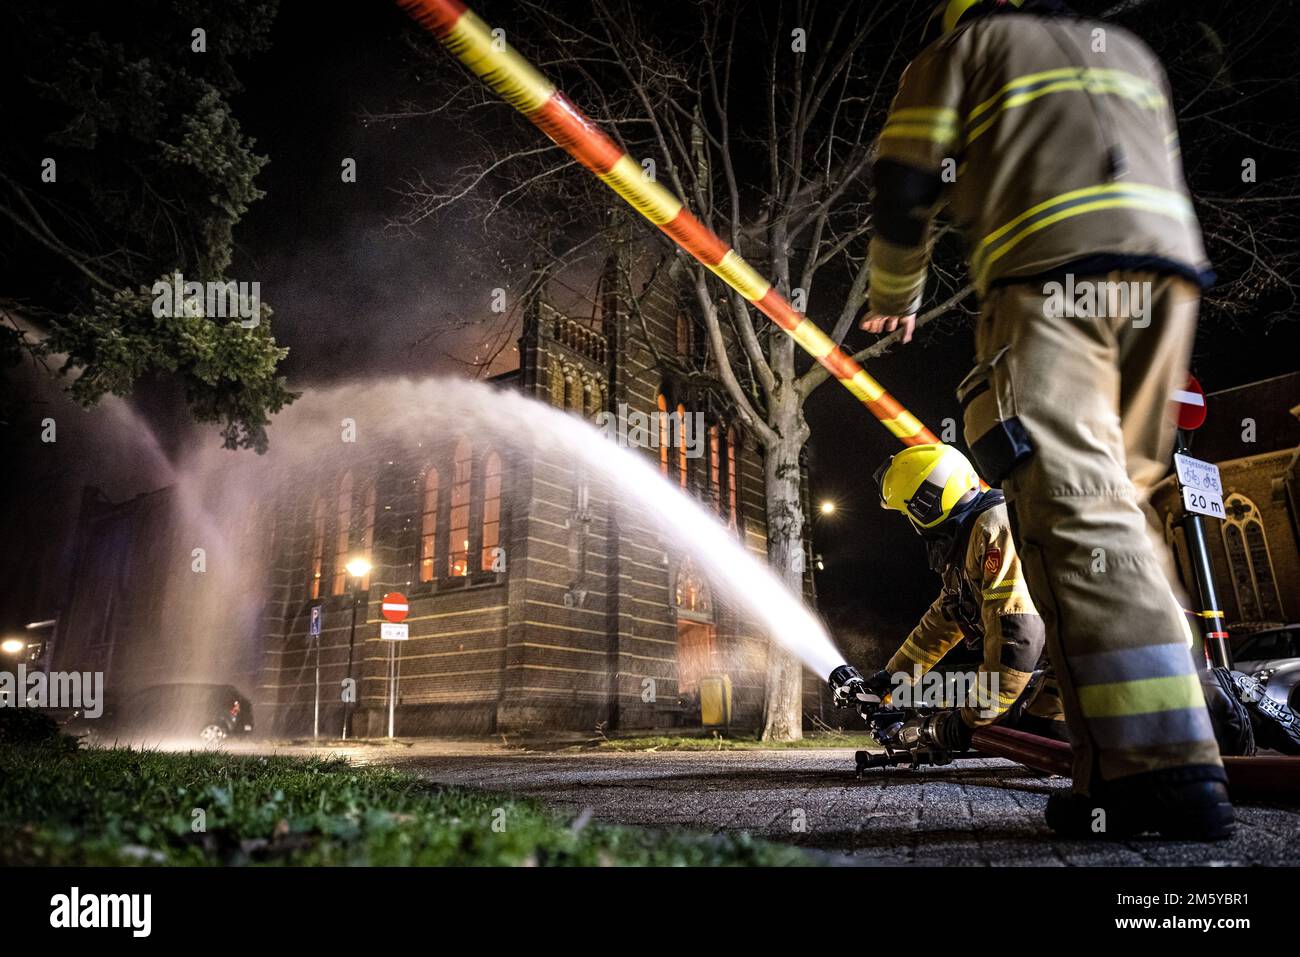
354	296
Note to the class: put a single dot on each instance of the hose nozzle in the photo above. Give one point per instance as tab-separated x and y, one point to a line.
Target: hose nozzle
847	686
850	689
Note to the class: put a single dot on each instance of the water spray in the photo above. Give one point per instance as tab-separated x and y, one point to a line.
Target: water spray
520	84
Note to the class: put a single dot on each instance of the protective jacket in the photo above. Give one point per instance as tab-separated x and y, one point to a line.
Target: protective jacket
983	598
1037	133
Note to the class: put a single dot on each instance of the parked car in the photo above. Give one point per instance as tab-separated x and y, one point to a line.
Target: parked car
1273	656
207	713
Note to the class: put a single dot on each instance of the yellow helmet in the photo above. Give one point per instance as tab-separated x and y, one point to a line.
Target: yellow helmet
948	14
925	482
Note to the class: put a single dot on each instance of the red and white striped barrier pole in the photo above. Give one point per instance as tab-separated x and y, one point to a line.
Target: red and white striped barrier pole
523	87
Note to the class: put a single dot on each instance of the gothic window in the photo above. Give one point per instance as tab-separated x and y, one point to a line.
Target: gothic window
733	497
491	510
683	463
458	531
691	594
594	399
715	468
1249	561
429	525
572	391
342	534
662	401
316	557
555	383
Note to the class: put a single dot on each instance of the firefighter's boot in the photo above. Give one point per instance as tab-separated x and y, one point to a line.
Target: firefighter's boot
1187	803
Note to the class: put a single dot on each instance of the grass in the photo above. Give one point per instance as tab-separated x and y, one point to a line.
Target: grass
123	806
718	742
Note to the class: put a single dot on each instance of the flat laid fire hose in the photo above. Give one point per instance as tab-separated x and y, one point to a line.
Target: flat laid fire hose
1257	777
501	67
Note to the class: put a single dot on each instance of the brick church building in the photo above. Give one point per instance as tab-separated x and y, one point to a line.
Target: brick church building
536	602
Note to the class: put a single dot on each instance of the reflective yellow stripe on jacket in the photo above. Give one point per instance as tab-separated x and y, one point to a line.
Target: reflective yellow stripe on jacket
1032	86
1075	203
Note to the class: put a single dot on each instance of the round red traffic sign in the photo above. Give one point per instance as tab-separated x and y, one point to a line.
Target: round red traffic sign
395	607
1189	405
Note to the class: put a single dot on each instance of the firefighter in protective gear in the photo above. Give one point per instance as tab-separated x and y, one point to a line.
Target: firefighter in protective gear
1052	142
984	598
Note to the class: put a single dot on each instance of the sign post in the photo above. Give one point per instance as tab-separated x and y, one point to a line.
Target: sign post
394	609
313	631
1202	491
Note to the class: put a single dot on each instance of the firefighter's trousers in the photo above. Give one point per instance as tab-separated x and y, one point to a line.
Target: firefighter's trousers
1078	408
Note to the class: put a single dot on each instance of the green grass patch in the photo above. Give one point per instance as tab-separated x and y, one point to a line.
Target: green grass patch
719	742
123	806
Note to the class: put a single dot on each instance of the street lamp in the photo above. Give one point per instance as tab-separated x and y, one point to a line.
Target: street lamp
827	507
13	646
357	569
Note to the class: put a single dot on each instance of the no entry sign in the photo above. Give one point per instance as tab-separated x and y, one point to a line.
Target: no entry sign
1189	405
395	607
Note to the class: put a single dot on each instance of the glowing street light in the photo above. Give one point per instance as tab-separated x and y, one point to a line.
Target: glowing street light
358	567
827	507
13	646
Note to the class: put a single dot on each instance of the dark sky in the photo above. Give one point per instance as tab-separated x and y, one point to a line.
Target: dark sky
353	297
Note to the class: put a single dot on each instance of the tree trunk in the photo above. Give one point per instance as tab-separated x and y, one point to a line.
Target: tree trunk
783	704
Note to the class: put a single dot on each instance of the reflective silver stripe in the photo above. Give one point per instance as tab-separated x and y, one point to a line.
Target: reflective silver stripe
1153	728
1132	664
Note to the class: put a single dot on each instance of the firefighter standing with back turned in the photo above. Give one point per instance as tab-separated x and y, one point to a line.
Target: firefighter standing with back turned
984	599
1062	139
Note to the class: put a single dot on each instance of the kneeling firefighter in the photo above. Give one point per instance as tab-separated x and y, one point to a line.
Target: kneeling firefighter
984	598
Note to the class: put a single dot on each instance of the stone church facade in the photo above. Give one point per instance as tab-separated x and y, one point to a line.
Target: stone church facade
536	602
1252	433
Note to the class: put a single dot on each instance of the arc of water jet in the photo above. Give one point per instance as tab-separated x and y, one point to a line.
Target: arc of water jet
511	76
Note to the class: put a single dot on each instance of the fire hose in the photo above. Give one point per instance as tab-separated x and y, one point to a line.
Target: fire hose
1258	777
511	76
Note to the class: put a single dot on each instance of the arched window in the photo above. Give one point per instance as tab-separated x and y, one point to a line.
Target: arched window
715	468
368	529
682	462
555	383
342	534
1249	561
733	497
593	400
316	557
572	391
662	402
691	594
491	510
429	525
458	529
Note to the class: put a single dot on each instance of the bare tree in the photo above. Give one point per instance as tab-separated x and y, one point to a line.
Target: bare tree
762	117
